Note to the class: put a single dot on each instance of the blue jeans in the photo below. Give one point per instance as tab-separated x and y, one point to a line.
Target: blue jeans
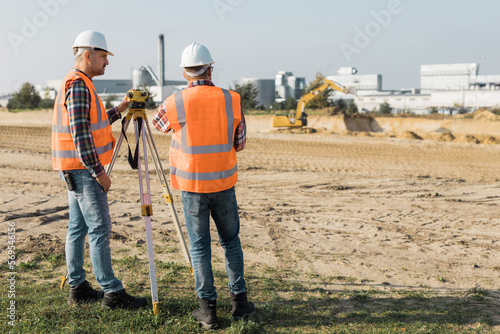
224	210
89	214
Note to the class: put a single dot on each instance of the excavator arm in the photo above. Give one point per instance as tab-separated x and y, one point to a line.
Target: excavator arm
300	118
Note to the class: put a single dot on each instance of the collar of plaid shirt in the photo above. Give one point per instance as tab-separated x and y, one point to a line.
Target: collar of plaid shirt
77	70
200	83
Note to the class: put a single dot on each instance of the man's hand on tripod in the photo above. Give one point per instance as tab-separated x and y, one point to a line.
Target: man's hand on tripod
104	181
123	105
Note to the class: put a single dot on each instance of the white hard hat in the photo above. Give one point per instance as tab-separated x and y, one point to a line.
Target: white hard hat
92	39
195	55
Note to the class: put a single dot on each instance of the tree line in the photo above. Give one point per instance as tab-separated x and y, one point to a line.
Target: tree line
28	98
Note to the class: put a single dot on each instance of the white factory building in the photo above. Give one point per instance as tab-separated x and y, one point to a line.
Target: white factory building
448	88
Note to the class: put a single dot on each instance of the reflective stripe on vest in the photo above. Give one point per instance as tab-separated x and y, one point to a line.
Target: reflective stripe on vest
204	176
72	154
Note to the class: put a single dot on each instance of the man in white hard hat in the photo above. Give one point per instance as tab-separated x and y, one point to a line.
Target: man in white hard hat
208	129
82	143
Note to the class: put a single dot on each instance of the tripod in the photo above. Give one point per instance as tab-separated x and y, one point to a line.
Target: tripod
142	130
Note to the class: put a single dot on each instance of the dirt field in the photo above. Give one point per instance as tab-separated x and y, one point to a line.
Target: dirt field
382	210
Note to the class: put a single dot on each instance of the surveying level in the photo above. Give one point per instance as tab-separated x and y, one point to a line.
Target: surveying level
138	97
142	131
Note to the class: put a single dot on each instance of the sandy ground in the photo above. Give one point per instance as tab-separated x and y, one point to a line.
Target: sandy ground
382	208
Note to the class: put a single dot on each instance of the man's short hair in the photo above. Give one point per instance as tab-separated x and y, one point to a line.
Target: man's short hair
194	71
79	51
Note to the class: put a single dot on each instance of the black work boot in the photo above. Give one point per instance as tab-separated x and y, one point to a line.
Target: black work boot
206	315
84	293
242	308
121	299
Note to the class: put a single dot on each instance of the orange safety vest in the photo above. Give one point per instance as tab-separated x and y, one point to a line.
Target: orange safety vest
64	155
202	154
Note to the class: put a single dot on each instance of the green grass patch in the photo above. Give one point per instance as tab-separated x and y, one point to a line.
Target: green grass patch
165	249
286	302
129	262
28	265
122	250
55	260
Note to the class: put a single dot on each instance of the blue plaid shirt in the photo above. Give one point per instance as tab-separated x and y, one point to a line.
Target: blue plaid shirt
161	122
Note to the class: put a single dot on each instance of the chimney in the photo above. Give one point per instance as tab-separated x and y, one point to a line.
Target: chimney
161	61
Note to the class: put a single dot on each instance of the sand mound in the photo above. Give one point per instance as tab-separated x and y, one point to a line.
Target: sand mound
410	135
46	243
491	141
485	114
467	139
445	137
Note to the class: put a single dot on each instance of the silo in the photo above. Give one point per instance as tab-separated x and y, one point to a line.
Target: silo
141	77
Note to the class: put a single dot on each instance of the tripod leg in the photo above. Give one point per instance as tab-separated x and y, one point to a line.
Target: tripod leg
167	195
147	211
119	143
63	280
152	269
156	156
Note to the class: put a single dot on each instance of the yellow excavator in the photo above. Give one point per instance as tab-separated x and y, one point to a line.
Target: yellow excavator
300	117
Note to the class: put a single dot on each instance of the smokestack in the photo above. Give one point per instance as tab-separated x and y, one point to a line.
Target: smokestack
161	60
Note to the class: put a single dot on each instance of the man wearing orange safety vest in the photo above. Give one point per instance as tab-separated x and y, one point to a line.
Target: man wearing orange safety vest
208	129
82	143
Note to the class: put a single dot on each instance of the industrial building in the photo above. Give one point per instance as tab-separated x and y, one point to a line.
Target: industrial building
287	85
447	88
366	83
447	77
266	91
282	87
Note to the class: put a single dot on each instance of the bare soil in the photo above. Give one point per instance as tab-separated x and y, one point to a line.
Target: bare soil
377	208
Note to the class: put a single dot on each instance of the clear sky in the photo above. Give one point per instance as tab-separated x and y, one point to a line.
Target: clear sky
253	38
